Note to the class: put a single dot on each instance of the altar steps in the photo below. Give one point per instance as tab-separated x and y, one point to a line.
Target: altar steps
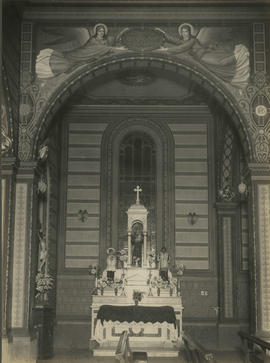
151	352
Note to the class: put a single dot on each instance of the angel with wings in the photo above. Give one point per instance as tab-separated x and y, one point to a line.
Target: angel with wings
227	60
71	47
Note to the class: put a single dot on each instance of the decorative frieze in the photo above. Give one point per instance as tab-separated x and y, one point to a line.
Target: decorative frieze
264	252
19	256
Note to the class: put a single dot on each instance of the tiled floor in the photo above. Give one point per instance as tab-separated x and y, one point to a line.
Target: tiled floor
85	357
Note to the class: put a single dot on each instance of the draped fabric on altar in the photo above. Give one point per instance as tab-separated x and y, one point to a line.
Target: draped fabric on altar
146	314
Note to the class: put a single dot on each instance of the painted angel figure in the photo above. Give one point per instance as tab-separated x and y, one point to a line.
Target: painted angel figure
227	59
83	45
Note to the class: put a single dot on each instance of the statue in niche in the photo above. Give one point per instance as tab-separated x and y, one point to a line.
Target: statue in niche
163	260
43	253
214	49
137	244
111	263
6	141
64	56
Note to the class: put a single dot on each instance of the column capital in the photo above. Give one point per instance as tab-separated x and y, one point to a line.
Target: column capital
9	165
27	170
226	206
260	171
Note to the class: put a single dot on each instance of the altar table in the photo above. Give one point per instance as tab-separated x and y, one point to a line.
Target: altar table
145	314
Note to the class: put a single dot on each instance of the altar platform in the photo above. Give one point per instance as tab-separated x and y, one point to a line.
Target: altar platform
159	337
139	298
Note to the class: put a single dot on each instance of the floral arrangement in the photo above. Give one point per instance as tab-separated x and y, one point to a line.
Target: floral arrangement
151	256
180	269
44	283
118	285
137	296
123	256
158	282
226	193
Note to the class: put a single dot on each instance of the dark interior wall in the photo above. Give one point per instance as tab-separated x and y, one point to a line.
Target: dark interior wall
196	246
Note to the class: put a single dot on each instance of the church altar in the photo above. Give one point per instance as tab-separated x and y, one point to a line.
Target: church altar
139	297
154	323
160	328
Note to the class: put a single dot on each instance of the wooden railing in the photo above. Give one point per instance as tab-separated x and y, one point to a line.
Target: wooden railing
195	352
123	349
255	349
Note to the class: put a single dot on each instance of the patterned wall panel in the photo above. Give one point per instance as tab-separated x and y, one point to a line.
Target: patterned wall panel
227	266
244	239
83	193
264	240
259	47
18	279
191	194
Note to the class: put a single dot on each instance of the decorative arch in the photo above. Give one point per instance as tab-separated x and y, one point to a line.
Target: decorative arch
111	140
200	76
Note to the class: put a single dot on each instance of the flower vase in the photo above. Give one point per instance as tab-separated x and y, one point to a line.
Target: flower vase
136	302
158	291
115	291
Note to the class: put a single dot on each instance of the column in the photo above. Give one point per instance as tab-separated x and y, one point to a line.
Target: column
7	185
228	235
144	264
23	343
260	246
129	249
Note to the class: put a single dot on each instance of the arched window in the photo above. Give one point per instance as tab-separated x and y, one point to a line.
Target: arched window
137	164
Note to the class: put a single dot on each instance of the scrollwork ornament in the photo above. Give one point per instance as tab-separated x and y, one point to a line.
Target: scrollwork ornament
43	153
262	147
24	145
244	105
267	91
42	185
251	91
226	194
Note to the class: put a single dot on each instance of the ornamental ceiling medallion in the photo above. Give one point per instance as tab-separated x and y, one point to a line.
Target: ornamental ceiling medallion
260	109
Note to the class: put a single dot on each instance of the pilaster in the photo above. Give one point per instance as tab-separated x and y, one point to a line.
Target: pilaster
22	346
260	248
228	220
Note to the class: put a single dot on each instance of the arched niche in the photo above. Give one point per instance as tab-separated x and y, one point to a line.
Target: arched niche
163	139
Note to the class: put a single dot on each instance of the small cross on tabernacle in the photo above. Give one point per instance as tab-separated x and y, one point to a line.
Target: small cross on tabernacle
138	190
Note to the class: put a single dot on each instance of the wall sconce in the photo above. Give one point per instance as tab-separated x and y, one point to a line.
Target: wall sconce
192	218
82	215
